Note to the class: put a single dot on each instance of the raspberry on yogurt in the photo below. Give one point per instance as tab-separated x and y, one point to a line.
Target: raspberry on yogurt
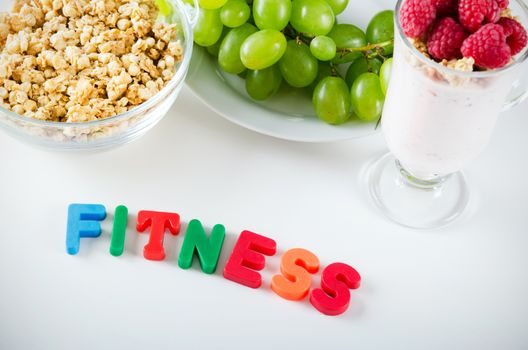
417	16
488	47
480	31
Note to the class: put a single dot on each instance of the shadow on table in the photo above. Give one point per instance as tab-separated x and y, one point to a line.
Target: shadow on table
134	243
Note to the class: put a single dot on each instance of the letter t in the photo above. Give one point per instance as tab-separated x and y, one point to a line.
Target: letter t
158	223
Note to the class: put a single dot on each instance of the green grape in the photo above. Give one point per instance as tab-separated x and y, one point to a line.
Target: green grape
385	75
235	13
298	66
164	8
312	17
331	100
347	36
264	83
263	49
381	29
323	70
367	97
323	48
360	66
337	6
229	54
208	27
211	4
215	48
271	14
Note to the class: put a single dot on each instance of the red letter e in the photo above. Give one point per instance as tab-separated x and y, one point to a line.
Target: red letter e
245	258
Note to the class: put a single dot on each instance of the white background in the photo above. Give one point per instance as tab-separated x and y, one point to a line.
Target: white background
461	287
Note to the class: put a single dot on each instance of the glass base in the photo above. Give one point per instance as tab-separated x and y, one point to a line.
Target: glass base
415	203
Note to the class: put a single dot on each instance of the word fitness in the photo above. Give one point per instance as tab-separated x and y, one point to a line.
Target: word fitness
247	257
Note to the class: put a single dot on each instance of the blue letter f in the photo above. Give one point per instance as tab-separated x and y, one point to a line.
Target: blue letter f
82	222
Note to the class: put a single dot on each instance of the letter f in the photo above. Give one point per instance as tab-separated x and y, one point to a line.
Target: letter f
83	222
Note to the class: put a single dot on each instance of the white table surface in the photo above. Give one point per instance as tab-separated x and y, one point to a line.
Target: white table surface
461	287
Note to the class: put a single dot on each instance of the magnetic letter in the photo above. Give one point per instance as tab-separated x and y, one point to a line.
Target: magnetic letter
296	266
207	249
336	280
245	258
158	223
83	222
117	243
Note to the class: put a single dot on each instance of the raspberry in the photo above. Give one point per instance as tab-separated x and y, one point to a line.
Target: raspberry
473	13
417	16
503	4
446	39
516	36
445	7
494	13
488	47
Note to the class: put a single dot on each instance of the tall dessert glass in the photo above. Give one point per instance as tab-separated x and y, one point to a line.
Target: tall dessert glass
435	120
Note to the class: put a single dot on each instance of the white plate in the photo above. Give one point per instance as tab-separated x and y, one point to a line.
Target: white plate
288	115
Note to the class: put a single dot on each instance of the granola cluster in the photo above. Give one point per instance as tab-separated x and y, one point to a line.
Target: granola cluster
82	60
465	64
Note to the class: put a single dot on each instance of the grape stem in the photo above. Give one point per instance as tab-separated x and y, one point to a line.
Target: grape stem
291	33
375	49
369	51
334	71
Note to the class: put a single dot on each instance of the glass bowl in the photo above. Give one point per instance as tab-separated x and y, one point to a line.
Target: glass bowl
122	128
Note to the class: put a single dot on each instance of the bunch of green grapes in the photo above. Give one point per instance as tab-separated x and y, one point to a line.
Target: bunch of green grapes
299	42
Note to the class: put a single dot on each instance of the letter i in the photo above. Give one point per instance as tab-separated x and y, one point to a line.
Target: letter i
117	243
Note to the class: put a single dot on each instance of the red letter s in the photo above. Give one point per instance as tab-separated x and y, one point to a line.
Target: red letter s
334	297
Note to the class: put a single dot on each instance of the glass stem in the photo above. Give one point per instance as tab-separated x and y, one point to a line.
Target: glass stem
430	184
